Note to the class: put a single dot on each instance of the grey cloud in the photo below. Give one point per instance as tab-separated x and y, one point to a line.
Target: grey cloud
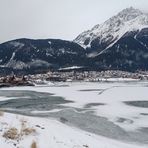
63	19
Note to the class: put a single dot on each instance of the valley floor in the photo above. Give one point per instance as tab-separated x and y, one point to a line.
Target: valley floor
75	115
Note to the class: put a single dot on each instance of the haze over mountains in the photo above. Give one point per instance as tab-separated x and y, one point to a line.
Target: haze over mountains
120	43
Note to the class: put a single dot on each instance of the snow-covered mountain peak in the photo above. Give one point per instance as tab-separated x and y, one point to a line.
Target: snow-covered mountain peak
129	14
113	29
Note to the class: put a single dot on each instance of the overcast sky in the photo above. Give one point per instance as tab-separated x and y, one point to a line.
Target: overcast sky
63	19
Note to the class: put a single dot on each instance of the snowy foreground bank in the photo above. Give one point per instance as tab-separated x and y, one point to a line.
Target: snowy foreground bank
30	132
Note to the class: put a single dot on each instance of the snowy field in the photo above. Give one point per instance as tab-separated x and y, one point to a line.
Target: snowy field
104	115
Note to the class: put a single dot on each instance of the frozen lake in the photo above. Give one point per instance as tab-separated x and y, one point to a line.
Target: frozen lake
117	110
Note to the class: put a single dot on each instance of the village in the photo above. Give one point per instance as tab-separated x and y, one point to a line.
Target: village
13	80
71	76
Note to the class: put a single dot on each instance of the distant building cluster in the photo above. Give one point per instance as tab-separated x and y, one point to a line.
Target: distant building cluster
90	76
73	76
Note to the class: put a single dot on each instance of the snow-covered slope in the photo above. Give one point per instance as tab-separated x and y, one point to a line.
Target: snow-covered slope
120	43
112	30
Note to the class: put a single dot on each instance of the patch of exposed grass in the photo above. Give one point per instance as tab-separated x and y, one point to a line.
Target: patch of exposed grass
11	133
33	145
17	134
28	131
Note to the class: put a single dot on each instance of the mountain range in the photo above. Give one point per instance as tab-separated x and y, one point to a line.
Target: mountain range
120	43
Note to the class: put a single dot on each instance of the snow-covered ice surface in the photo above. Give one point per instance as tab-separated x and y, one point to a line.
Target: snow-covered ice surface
117	110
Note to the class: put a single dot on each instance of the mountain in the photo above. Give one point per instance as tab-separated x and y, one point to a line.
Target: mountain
119	43
26	55
107	34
